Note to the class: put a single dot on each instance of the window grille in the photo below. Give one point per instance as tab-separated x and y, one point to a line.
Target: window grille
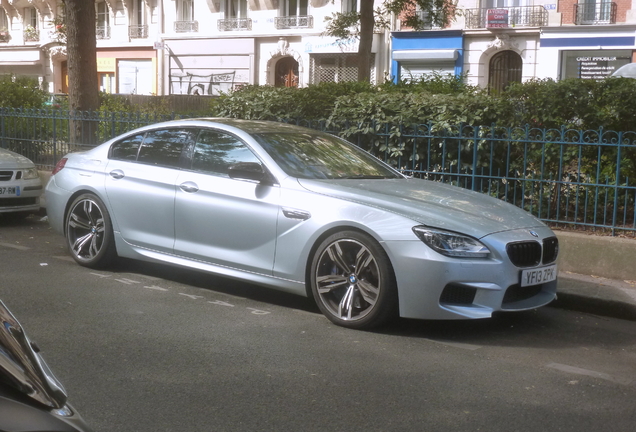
336	68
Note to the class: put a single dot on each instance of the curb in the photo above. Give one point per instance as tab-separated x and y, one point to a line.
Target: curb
597	296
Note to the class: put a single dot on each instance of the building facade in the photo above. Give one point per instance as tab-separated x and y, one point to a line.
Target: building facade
189	46
507	41
207	47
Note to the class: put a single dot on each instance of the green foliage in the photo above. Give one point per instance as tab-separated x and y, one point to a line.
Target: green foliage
21	92
435	82
314	102
573	103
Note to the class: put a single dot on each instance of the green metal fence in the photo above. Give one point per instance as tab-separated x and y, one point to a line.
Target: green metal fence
569	177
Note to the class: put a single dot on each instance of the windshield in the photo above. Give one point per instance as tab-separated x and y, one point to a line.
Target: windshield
322	156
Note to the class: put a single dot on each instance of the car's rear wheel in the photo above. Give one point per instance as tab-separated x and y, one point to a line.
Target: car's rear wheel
352	281
89	232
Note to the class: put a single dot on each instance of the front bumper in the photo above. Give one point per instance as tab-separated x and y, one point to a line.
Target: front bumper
433	286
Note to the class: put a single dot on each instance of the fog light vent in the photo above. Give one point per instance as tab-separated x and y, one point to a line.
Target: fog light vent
458	295
517	293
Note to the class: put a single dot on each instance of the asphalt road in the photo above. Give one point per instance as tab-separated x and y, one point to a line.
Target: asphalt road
145	347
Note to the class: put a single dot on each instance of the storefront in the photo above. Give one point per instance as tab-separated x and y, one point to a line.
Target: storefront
131	71
415	54
574	53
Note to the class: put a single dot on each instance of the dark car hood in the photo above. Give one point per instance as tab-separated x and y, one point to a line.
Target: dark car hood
430	203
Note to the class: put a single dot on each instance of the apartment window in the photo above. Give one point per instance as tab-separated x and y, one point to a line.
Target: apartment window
4	22
295	8
185	10
4	27
31	31
294	14
102	20
350	6
185	17
235	12
31	17
138	28
139	13
595	12
235	9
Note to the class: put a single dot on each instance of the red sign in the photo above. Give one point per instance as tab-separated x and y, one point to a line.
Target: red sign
497	18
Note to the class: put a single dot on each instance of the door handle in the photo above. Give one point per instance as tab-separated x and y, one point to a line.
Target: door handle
117	174
189	187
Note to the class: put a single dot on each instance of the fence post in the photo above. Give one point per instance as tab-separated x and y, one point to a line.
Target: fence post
475	150
617	182
54	138
4	145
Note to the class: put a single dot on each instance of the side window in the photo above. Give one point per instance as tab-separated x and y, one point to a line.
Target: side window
215	152
164	147
126	149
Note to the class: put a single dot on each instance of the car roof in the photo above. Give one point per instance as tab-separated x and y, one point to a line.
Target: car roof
626	71
253	126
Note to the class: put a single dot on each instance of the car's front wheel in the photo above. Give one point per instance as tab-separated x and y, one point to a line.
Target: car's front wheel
89	232
352	281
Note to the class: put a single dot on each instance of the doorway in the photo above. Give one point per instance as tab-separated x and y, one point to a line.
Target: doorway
505	68
286	73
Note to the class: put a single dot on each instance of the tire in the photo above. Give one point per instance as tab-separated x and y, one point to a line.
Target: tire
352	281
89	232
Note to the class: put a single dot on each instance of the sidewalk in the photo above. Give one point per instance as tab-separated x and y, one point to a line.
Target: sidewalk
596	295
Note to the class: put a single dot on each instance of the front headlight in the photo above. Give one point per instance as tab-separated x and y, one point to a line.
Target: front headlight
450	243
30	174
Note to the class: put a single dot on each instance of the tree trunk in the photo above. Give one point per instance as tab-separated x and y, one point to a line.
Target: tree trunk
82	67
367	23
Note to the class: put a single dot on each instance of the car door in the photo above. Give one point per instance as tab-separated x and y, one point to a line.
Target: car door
140	185
220	220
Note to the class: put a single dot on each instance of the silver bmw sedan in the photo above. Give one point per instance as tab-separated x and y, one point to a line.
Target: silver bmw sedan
304	212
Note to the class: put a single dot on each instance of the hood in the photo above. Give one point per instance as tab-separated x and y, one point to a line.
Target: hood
430	203
11	160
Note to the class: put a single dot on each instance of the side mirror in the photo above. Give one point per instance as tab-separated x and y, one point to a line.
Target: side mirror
247	171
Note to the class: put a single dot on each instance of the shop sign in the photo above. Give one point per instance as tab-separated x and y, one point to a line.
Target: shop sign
497	18
599	67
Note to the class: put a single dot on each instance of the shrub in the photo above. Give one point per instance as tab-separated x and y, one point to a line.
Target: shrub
21	92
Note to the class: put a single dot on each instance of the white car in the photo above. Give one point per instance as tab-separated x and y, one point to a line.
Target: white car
304	212
20	184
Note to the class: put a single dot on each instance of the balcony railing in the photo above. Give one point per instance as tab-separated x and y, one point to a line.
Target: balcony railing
595	13
294	21
138	31
186	26
102	32
521	16
232	24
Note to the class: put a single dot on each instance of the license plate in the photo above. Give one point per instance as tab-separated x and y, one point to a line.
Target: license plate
10	190
538	276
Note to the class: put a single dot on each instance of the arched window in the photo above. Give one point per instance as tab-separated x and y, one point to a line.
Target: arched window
505	68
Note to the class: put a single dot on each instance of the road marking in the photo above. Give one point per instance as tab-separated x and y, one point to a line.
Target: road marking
590	373
193	297
156	288
221	303
456	345
127	281
15	246
258	312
